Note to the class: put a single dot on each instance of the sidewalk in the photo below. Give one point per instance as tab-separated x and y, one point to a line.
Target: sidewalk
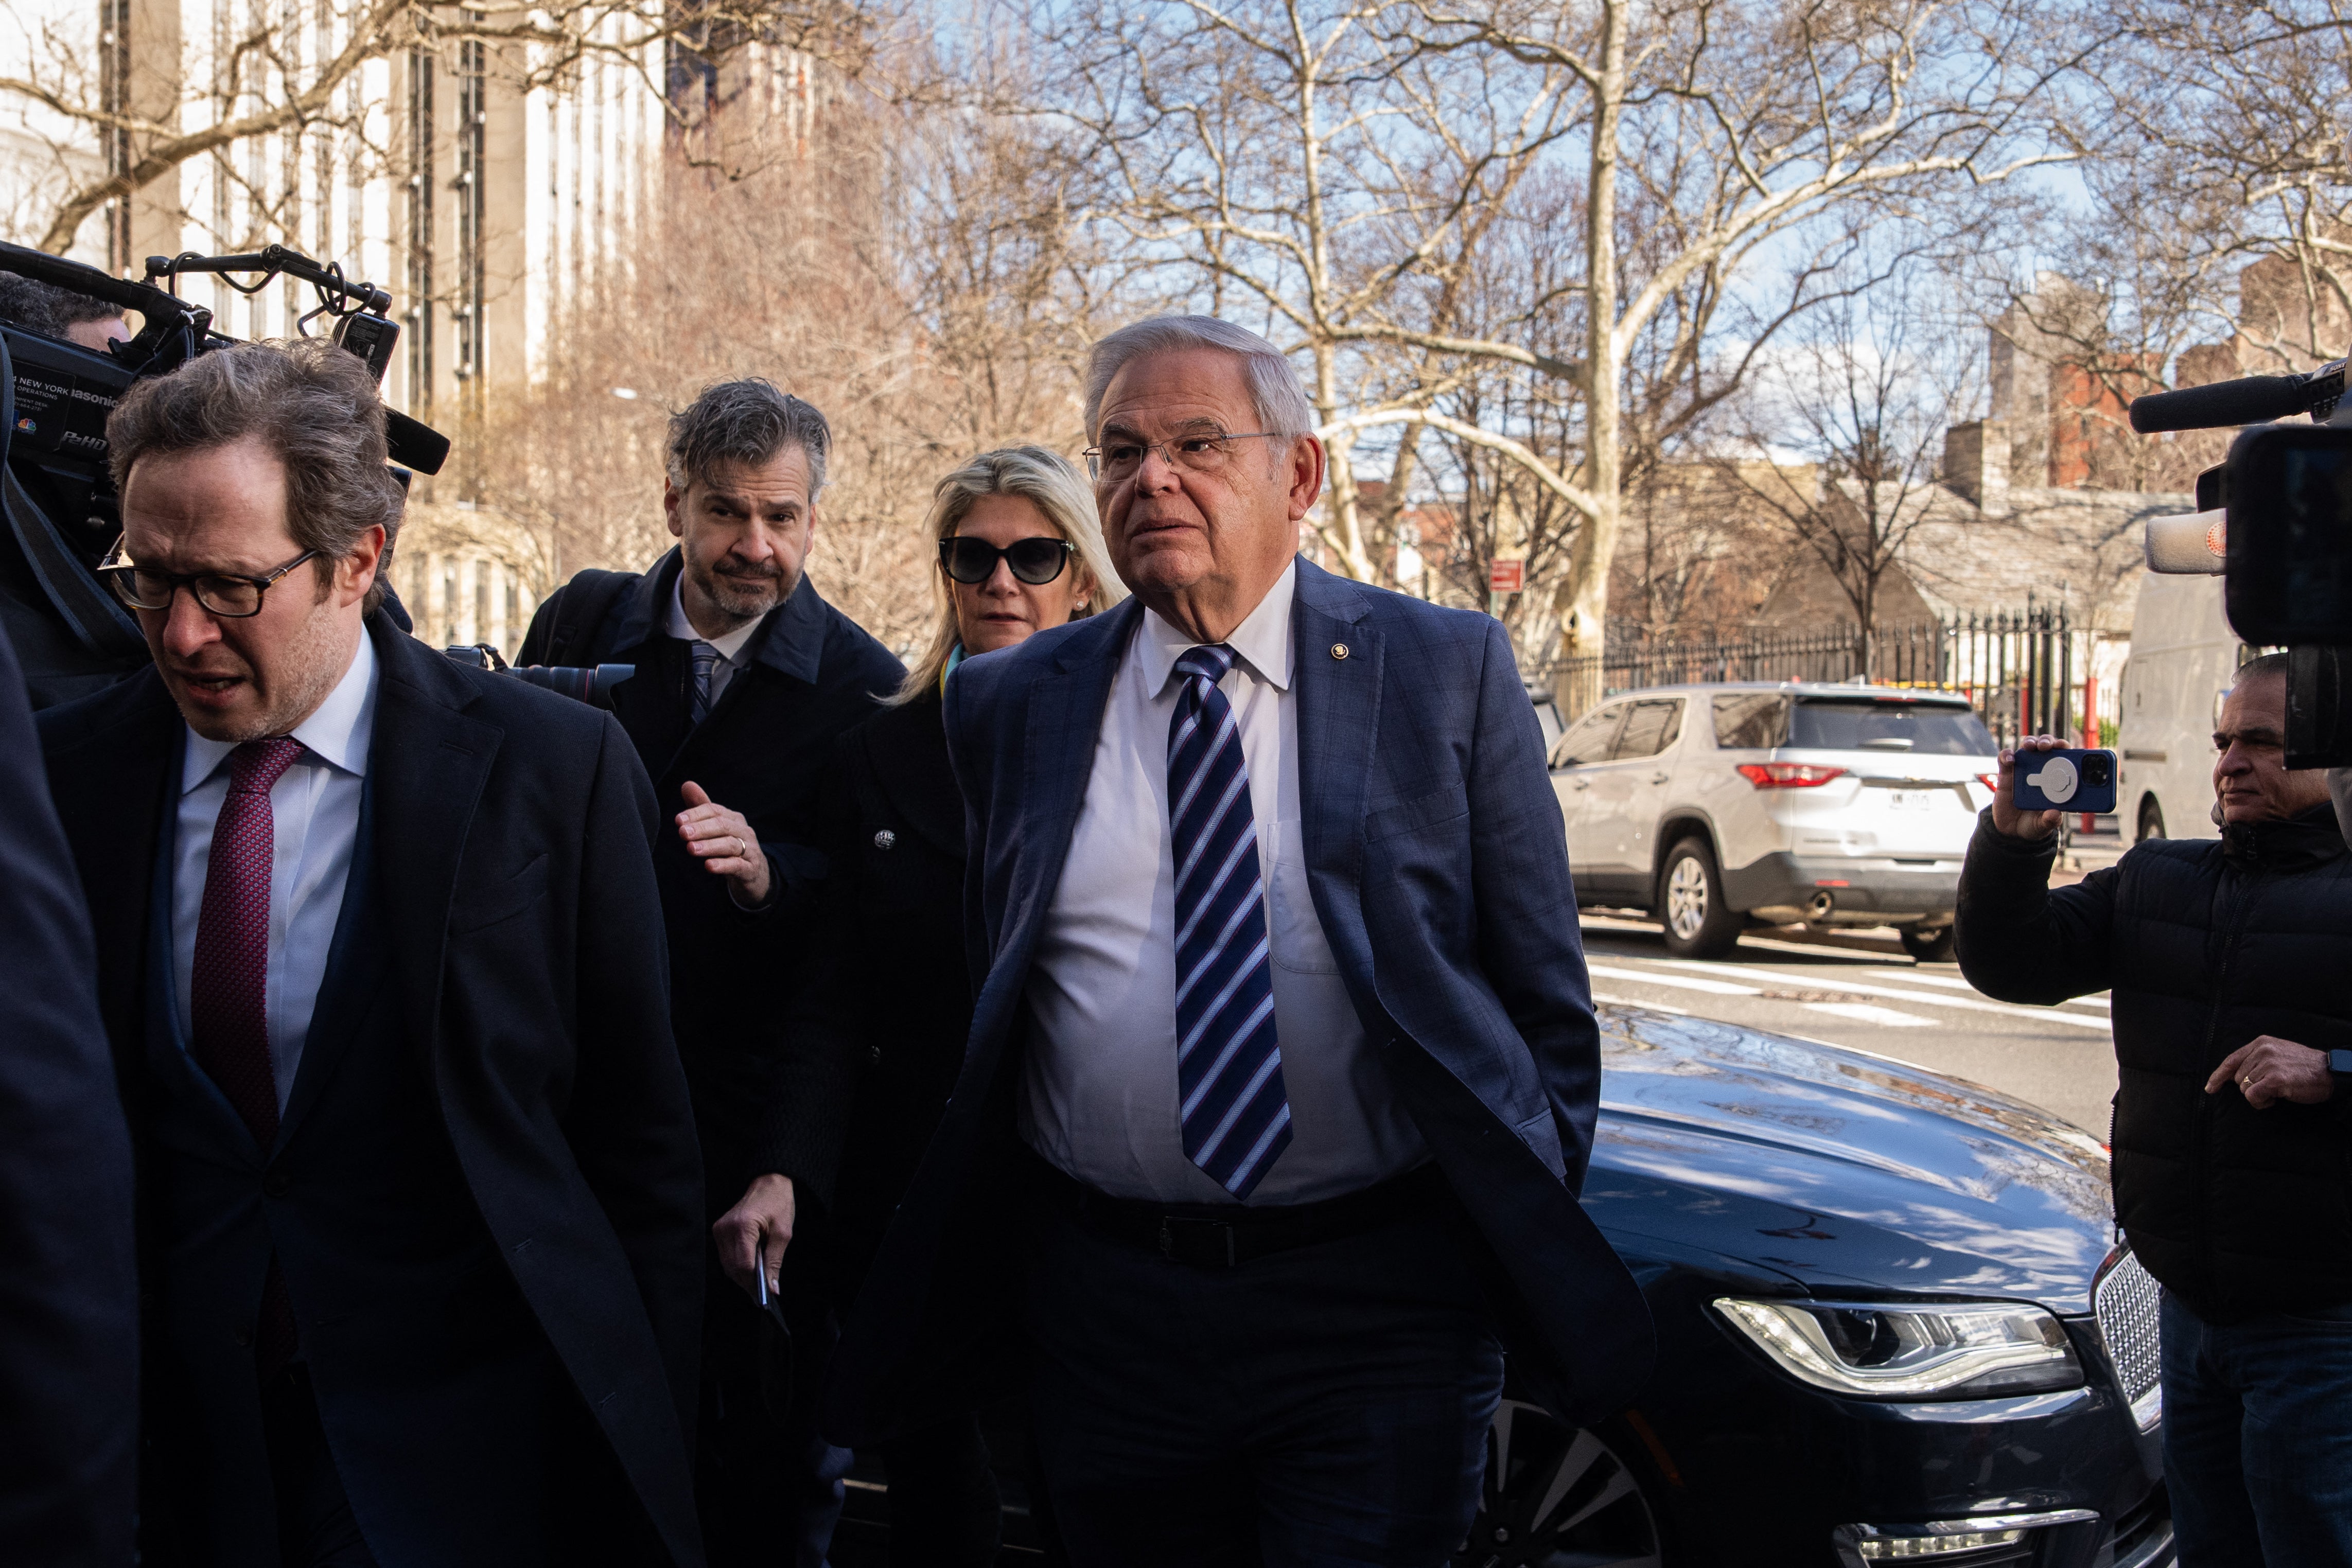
2085	854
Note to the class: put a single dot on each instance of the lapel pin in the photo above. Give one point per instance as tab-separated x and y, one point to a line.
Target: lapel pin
1339	650
885	839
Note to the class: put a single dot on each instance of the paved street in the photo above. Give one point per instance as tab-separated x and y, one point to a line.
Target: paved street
1864	992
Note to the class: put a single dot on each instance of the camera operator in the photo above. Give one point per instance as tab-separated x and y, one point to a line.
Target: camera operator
2227	963
61	313
744	678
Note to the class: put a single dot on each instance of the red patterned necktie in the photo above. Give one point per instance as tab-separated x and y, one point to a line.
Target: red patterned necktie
228	983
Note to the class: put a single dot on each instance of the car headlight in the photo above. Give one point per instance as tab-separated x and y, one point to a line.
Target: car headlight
1957	1350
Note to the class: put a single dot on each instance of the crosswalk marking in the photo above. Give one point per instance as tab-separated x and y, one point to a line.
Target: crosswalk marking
1683	982
1845	983
1871	1012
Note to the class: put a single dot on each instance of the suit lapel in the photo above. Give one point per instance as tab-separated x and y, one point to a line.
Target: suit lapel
425	773
1339	728
355	969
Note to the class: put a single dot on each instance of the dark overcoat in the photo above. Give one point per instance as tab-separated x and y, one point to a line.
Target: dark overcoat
513	912
761	751
69	1293
877	1034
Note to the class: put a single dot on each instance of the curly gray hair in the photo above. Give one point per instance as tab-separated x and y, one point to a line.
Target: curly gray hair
749	422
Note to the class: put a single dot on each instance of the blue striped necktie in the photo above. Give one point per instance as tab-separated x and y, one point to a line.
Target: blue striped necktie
706	664
1228	1067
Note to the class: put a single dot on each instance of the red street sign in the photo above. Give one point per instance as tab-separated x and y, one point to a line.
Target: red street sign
1507	576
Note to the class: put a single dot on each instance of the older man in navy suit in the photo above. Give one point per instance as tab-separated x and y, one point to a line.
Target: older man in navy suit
1284	1069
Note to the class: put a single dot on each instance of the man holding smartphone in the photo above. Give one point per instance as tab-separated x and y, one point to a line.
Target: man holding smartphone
2232	1119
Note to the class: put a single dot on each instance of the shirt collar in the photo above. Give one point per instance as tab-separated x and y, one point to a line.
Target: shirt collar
729	646
1262	640
337	733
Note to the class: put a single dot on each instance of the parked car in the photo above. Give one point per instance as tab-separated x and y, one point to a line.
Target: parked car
1890	1327
1716	806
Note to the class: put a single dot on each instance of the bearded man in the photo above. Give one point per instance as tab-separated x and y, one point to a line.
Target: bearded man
744	677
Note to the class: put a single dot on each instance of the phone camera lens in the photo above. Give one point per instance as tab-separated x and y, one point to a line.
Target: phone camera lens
2097	769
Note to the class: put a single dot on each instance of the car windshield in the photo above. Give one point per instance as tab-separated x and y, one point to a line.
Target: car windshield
1872	724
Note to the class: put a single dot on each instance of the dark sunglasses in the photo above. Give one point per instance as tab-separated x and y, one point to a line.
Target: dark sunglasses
972	561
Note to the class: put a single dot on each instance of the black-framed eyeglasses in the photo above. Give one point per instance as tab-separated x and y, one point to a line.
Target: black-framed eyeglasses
1035	561
223	593
1206	453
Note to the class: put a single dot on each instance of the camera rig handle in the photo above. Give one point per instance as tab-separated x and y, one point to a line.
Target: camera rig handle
270	261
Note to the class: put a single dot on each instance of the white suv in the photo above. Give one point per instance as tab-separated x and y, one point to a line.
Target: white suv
1712	806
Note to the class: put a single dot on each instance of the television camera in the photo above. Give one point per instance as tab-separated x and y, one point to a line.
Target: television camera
2275	519
56	492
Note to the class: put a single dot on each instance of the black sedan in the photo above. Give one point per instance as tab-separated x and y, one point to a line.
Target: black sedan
1893	1326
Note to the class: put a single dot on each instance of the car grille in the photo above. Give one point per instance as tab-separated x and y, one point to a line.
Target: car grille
2144	1534
2126	1299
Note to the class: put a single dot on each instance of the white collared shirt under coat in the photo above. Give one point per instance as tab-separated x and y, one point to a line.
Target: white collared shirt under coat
1098	1091
731	646
314	811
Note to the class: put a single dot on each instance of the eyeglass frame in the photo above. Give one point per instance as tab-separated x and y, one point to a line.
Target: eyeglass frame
1094	454
118	568
948	545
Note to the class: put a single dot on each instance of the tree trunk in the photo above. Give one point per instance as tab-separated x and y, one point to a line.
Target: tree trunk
1584	626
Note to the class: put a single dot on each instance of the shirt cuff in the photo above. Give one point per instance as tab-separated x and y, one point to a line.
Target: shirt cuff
775	886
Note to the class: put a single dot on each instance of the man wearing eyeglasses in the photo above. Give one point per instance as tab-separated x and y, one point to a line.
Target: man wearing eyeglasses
745	676
1283	1071
420	1218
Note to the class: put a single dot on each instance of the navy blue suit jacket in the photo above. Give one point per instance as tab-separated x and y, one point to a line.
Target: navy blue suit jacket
1439	869
69	1295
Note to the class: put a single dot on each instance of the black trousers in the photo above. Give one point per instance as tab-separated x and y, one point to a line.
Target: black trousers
1314	1409
316	1528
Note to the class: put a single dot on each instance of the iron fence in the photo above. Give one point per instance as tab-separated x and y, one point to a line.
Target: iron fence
2021	670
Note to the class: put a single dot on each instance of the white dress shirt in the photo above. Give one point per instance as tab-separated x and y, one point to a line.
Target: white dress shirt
732	656
314	811
1098	1095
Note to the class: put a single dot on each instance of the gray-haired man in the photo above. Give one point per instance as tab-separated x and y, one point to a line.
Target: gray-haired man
744	676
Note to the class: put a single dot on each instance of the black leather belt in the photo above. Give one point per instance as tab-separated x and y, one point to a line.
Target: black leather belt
1225	1236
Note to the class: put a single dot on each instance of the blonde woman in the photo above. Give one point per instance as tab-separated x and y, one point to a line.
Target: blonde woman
873	1046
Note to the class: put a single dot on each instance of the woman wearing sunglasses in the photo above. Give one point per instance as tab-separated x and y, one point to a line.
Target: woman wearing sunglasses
874	1045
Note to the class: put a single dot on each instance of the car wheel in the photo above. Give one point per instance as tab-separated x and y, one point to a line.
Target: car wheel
2151	821
1927	946
1554	1494
1699	924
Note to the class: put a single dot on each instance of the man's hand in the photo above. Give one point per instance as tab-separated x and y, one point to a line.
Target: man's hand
2005	816
2269	1070
725	844
765	1210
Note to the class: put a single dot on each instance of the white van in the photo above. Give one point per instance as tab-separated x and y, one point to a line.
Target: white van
2183	653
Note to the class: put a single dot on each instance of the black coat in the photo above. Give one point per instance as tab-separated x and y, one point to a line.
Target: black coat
877	1036
814	673
69	1292
2206	943
521	929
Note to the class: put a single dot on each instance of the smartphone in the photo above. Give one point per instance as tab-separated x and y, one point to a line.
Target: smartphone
2065	781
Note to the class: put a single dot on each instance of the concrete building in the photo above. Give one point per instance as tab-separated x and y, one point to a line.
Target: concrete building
485	187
